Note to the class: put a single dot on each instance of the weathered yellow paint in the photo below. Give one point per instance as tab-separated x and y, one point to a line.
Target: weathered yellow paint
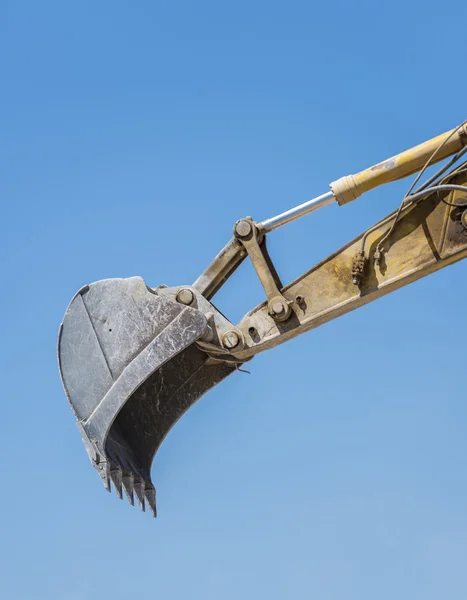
428	237
406	163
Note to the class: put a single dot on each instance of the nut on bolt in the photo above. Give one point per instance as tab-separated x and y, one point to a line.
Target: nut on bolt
185	296
230	340
243	228
359	266
279	309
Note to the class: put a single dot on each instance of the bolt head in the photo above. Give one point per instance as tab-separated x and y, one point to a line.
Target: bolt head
230	340
185	296
278	308
243	228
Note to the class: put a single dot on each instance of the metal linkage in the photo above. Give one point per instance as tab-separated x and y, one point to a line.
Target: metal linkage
344	190
251	237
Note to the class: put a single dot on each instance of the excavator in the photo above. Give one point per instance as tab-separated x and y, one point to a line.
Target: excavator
133	358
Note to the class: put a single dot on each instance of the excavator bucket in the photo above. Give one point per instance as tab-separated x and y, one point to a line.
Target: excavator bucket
131	367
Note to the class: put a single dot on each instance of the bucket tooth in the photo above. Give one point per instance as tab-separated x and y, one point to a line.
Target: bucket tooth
116	477
104	473
127	480
106	482
150	494
139	491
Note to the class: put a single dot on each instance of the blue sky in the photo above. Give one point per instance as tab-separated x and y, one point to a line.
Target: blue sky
134	134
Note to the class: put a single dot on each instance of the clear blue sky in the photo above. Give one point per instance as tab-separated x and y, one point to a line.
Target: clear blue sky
134	134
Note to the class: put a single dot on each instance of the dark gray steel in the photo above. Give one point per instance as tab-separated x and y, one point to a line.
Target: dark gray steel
130	369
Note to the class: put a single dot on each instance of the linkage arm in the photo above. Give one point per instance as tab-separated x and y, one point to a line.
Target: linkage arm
343	190
429	235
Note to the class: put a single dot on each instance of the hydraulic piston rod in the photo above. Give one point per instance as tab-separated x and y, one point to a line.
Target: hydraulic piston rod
342	191
298	211
349	188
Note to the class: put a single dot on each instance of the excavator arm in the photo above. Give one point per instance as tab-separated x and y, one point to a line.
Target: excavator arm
133	359
428	236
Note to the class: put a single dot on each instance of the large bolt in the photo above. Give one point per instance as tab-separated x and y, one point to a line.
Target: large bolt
278	308
230	340
243	228
185	296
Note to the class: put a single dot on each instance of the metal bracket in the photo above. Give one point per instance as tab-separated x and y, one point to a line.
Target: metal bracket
221	268
254	242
